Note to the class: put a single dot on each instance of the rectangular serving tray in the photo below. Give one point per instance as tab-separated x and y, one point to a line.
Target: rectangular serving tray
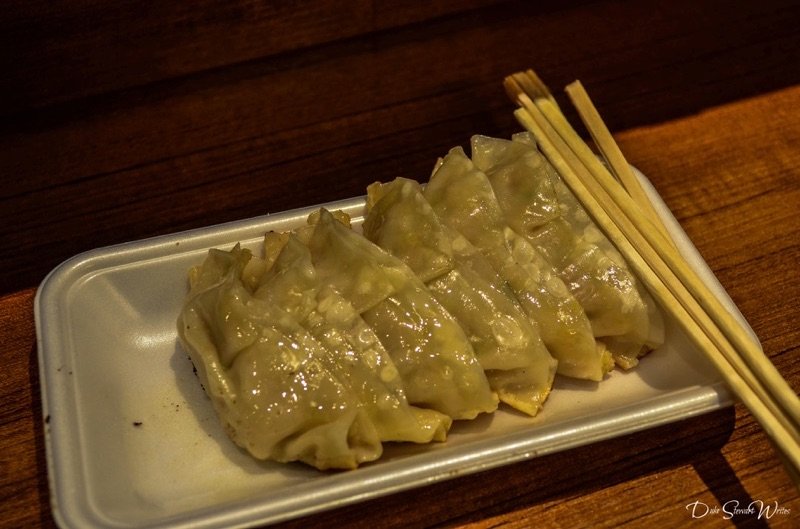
132	440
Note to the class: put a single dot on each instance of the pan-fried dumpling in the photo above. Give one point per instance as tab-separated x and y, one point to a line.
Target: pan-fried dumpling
462	197
434	357
527	203
507	345
268	379
616	304
359	359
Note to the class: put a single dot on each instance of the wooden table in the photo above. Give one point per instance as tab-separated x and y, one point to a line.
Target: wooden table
126	120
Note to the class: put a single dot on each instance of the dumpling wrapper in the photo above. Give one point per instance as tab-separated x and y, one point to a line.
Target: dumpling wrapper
433	355
267	378
359	359
527	203
463	198
621	312
517	364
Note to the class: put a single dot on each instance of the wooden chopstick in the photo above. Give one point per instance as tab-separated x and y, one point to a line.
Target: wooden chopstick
531	84
679	304
770	400
710	303
612	154
535	88
752	355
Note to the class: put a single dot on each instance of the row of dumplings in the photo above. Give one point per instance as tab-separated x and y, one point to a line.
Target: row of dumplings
474	289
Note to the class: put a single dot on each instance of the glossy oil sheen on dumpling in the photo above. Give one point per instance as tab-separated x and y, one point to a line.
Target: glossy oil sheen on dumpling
627	346
359	359
507	345
268	379
434	357
616	304
462	197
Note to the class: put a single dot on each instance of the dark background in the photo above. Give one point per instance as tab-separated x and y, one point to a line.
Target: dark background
124	120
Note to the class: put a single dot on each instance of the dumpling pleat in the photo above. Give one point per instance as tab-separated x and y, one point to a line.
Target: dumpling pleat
463	198
401	221
433	356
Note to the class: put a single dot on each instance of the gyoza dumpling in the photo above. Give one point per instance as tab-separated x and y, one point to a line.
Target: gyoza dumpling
507	345
434	357
627	347
463	199
527	203
359	359
614	301
267	378
572	211
369	370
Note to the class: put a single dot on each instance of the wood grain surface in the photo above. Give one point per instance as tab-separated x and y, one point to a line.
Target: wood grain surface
125	120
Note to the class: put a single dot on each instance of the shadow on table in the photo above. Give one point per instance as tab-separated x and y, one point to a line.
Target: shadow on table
728	491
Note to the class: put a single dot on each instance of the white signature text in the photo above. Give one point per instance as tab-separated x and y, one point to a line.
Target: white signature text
729	509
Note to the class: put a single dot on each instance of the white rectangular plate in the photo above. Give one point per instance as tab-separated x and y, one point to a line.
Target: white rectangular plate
132	441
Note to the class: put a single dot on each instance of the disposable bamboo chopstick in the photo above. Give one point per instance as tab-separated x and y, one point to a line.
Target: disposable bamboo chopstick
535	88
611	153
751	355
779	421
711	304
531	84
657	278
